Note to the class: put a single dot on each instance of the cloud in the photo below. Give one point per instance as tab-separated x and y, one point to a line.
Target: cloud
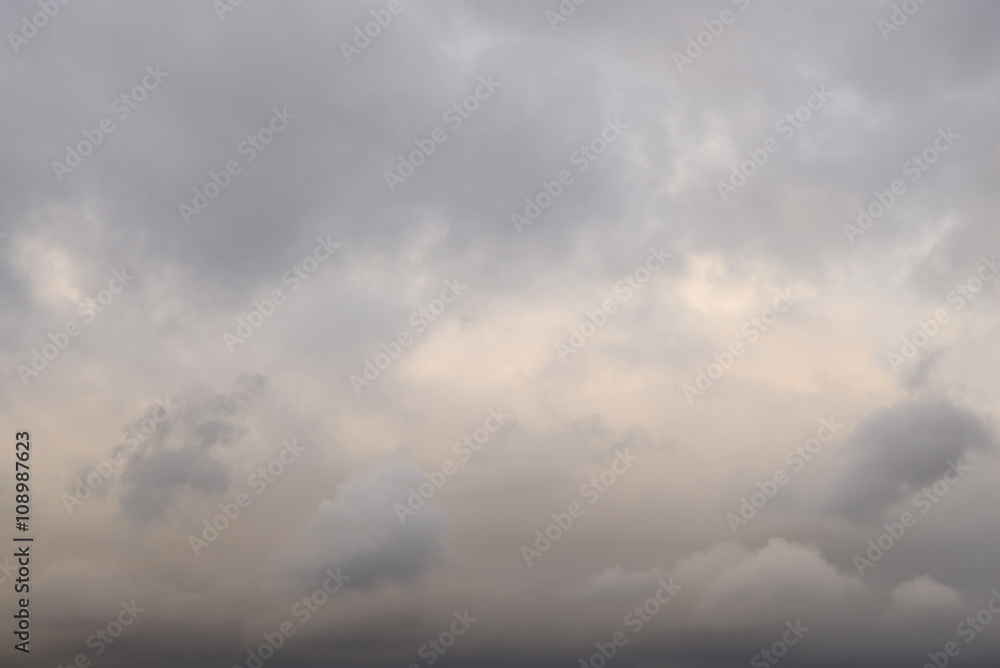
898	449
360	531
920	375
180	456
780	581
922	598
656	184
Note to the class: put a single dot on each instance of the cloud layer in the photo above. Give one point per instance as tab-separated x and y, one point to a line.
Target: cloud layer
588	280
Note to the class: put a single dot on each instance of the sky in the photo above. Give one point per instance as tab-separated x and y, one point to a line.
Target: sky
531	333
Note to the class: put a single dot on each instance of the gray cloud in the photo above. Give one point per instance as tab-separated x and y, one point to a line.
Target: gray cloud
898	449
178	457
657	184
360	531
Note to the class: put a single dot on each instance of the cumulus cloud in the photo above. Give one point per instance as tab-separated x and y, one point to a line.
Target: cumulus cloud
782	580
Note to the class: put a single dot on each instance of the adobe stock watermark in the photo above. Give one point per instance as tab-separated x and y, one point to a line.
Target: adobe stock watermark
751	329
779	648
968	630
439	645
624	290
564	10
130	440
898	17
636	619
591	491
263	309
372	29
696	44
31	25
421	320
786	126
250	148
915	168
122	107
454	116
60	340
582	158
923	501
464	449
304	609
103	638
258	481
928	329
768	489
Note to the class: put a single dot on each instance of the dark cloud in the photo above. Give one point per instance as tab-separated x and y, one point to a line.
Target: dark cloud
901	448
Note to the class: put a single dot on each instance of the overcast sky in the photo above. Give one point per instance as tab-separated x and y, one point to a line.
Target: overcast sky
523	333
